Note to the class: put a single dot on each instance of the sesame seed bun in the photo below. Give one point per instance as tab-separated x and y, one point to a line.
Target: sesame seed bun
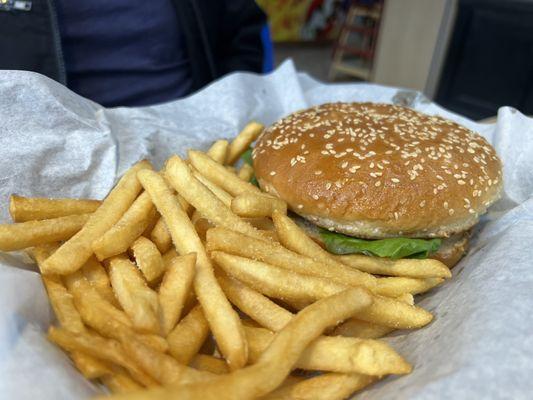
378	170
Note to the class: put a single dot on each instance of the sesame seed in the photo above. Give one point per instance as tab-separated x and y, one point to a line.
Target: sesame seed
422	203
451	211
318	172
272	173
315	197
461	182
377	184
395	180
300	206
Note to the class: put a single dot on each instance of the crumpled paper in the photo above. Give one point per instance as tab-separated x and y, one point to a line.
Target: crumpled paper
54	143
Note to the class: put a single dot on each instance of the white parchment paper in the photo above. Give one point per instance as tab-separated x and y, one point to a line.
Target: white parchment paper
57	144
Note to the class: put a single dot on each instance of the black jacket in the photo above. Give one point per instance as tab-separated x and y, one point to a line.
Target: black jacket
221	36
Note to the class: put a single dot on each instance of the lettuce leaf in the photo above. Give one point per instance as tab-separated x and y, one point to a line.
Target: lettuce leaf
253	181
247	158
394	248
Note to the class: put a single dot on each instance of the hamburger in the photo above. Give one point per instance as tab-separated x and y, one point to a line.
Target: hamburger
380	179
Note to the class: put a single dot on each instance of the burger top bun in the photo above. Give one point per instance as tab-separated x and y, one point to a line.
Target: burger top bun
378	170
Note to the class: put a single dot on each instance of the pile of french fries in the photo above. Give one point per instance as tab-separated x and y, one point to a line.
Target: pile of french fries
191	283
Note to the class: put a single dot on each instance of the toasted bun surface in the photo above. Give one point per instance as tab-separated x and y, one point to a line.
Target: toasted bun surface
378	170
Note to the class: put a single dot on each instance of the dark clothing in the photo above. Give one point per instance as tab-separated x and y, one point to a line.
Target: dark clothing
220	36
124	51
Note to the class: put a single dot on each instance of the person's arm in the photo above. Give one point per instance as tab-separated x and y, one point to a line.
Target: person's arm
240	46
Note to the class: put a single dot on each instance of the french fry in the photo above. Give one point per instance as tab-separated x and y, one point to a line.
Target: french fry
274	281
86	294
139	302
23	209
253	205
229	241
160	236
223	320
201	224
258	307
218	151
90	367
408	267
129	227
277	360
212	364
69	317
22	235
285	285
396	314
183	204
325	353
264	224
219	175
148	259
174	290
361	329
246	172
99	314
202	199
62	304
242	141
113	328
169	256
103	349
406	298
159	366
274	317
395	286
77	250
222	195
151	224
97	276
60	299
120	382
190	302
336	354
188	336
331	386
295	239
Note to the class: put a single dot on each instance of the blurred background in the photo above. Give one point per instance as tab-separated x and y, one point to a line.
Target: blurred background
470	56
